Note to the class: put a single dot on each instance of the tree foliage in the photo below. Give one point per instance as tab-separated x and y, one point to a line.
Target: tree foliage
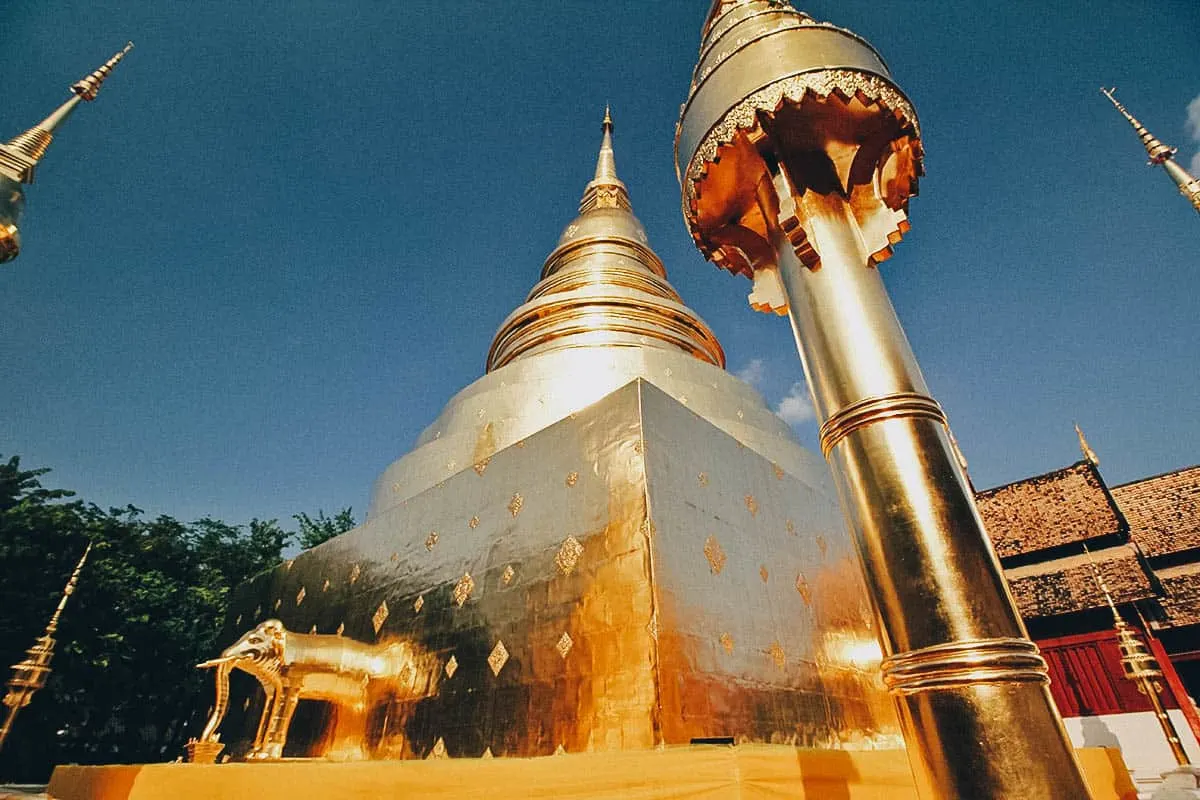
149	607
313	531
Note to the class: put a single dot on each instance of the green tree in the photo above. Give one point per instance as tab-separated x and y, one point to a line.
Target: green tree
313	531
150	606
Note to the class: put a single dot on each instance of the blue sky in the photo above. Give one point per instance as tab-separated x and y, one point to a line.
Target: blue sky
284	235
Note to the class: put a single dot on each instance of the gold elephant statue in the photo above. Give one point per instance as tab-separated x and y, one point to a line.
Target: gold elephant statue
352	676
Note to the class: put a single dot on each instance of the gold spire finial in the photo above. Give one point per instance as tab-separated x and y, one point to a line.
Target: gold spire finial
30	675
90	86
1088	452
1157	151
1161	154
20	156
606	190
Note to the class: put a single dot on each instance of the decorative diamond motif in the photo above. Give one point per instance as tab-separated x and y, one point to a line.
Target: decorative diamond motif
514	505
777	655
791	527
395	558
451	464
276	605
703	478
431	541
778	471
487	753
419	603
451	667
258	610
741	414
238	621
341	628
727	643
822	545
521	444
565	643
572	478
356	573
568	555
560	751
507	576
325	585
752	505
300	596
245	704
380	616
498	658
714	554
804	589
473	523
313	629
439	750
481	465
288	564
762	573
463	589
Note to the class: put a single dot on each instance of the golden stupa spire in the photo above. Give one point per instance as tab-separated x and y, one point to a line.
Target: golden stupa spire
30	675
1085	448
20	156
606	190
1161	154
603	286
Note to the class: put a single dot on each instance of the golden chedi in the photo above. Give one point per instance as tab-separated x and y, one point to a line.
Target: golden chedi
605	543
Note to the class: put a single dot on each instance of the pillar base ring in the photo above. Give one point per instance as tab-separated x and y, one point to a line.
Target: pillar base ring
955	664
877	409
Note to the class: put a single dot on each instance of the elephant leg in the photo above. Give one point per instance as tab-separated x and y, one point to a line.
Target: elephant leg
287	707
270	698
221	704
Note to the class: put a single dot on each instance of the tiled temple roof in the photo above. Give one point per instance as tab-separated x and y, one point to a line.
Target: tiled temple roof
1061	507
1064	585
1163	511
1181	602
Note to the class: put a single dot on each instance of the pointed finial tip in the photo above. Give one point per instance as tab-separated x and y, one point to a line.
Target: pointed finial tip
89	87
608	123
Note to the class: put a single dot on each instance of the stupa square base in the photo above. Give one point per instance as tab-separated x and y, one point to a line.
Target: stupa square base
697	773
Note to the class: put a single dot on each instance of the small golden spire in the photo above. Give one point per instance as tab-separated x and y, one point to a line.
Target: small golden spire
20	156
606	190
1160	154
30	675
1088	452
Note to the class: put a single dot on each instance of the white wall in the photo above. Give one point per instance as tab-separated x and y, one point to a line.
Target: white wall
1139	738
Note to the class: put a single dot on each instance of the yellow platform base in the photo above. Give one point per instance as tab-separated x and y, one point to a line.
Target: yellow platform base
697	773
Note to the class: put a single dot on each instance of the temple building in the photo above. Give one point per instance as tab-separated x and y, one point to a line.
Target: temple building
607	542
1064	539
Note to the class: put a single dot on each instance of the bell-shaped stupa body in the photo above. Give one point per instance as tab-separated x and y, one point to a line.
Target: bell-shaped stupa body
607	542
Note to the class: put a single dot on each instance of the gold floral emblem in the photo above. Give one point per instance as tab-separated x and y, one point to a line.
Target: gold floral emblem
419	603
568	555
431	541
778	471
481	465
565	643
791	527
703	478
714	554
572	478
752	505
804	589
356	573
473	523
727	643
514	505
507	575
777	655
463	589
762	573
451	667
380	616
498	658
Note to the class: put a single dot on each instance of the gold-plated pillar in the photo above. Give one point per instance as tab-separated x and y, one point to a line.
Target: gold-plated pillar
797	157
